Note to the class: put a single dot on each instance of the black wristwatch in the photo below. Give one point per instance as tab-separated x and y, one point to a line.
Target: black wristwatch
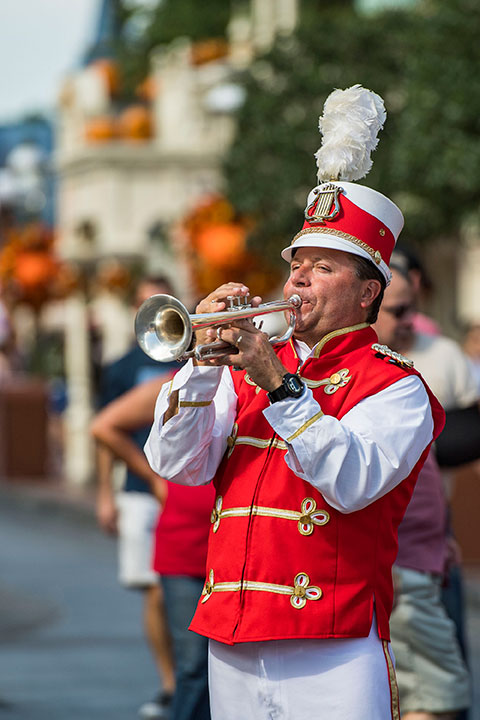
291	386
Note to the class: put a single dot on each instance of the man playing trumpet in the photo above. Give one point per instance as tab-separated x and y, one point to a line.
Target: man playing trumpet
314	448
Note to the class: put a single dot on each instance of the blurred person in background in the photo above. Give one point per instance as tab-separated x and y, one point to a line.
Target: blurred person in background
9	359
422	287
180	548
441	358
471	347
132	512
431	672
5	367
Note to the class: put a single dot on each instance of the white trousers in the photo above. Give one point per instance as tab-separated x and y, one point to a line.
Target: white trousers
351	679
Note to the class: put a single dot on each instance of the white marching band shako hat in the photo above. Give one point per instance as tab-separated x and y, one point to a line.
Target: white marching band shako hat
340	214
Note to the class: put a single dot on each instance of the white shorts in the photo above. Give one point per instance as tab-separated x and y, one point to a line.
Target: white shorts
137	518
292	679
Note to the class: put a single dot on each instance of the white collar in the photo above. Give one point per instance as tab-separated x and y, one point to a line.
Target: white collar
303	350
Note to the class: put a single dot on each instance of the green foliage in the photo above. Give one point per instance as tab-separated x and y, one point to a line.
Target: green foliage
144	28
421	62
437	150
189	18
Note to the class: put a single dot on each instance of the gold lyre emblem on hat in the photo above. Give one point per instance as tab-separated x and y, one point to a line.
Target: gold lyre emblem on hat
325	205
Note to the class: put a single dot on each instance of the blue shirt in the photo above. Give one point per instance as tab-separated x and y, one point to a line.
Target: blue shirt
121	376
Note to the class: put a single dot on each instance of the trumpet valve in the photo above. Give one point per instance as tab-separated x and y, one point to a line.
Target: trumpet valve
237	302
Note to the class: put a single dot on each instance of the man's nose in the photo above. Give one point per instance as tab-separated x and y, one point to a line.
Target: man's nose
299	277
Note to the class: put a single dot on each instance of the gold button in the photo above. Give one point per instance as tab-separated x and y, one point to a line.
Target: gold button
382	232
377	257
335	379
299	591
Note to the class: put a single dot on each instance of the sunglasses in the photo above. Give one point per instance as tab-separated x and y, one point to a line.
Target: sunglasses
399	311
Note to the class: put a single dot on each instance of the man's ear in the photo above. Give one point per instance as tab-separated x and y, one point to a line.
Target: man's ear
371	290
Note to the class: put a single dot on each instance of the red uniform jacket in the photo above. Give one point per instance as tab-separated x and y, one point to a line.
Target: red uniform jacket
282	563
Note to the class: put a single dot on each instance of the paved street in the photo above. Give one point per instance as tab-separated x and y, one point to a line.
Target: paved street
71	646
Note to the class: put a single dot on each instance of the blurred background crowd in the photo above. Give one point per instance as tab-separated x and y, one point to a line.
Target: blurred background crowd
181	146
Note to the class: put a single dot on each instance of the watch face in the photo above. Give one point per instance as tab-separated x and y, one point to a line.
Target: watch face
293	385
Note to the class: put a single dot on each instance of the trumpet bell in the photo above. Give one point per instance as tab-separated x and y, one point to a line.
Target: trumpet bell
163	328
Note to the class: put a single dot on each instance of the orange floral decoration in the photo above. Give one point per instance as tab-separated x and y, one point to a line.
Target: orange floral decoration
218	252
28	266
114	276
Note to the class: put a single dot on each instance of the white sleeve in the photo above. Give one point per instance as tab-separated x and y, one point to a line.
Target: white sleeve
188	448
358	459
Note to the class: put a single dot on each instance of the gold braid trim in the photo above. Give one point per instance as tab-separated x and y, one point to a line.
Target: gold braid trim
392	681
306	519
336	333
374	254
305	426
299	593
260	443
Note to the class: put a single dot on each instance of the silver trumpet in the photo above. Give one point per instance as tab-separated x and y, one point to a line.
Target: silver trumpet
164	328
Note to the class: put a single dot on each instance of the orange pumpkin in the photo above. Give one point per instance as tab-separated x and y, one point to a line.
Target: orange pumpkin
205	51
136	123
100	129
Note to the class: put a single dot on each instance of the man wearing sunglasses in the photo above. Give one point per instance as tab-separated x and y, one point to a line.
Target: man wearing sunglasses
432	677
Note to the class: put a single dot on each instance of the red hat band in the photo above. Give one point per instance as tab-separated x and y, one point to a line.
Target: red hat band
354	224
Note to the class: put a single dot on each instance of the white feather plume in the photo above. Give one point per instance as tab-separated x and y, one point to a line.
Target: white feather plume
350	123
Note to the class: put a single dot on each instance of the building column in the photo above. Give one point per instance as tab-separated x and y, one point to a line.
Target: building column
287	14
78	461
469	276
263	24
